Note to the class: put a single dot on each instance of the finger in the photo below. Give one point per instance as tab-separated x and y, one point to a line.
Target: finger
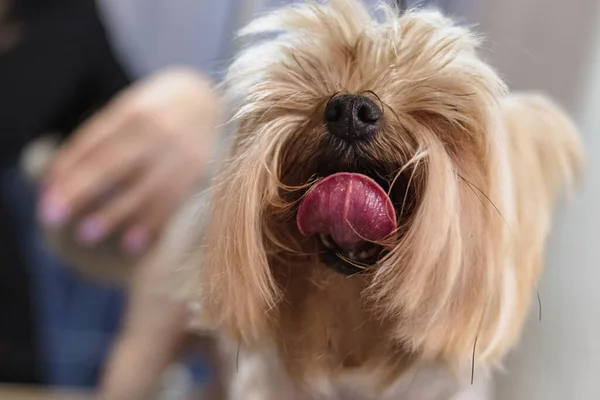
122	207
136	239
134	200
85	139
151	198
158	211
96	176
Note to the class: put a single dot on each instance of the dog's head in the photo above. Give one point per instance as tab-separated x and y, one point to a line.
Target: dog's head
359	219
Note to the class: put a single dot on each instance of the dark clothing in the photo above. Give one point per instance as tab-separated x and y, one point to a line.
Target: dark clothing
18	350
60	71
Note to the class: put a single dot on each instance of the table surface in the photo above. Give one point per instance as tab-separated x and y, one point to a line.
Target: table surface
22	393
27	393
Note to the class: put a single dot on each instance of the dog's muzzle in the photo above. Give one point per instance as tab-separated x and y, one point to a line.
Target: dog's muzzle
348	210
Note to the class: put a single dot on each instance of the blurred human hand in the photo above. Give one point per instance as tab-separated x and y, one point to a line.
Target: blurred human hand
130	166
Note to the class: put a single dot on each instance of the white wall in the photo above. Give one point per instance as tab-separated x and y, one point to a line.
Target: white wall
554	45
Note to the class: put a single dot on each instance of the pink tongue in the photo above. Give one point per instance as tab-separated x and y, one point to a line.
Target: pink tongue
351	208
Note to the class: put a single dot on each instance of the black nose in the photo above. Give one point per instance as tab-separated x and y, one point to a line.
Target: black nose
352	117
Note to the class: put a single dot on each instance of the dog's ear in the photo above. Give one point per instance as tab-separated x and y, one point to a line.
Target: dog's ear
446	271
444	281
237	285
542	129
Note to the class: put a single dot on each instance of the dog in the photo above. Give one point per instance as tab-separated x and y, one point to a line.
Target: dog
378	228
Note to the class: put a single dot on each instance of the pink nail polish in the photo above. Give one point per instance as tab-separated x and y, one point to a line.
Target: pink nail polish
53	212
135	241
91	231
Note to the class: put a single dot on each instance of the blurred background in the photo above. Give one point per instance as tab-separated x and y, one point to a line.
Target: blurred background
554	46
60	60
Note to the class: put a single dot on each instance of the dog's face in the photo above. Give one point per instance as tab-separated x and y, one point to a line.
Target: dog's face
359	221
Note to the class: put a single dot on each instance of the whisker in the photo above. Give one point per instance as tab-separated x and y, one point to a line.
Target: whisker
395	114
473	361
352	262
382	106
326	99
237	357
473	188
276	103
410	181
381	242
415	159
539	299
275	253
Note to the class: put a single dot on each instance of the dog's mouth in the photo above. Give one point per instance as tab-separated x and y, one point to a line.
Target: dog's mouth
352	216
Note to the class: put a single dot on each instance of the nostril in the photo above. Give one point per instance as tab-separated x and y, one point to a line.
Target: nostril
367	115
334	113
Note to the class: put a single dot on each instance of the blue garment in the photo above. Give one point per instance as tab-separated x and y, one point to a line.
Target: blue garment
77	319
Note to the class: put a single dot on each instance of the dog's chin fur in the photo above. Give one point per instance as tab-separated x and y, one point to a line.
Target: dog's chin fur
475	172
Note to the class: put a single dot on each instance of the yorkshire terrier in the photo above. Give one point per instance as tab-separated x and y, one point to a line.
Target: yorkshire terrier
379	227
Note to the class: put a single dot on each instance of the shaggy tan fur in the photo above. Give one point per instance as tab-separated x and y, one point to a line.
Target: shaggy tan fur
481	170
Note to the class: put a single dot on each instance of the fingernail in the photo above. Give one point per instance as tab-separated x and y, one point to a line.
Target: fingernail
53	212
135	241
91	231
